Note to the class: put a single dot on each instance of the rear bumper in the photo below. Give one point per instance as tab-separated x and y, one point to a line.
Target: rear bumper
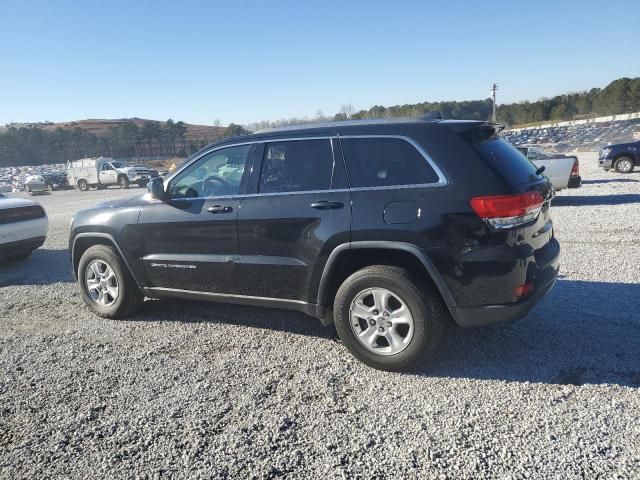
575	181
481	315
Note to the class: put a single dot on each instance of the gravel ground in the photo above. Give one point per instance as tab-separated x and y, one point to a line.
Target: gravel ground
214	391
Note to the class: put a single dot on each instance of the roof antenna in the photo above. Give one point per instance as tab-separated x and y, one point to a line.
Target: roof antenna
435	115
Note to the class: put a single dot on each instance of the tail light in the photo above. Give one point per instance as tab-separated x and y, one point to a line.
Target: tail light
507	211
524	290
575	171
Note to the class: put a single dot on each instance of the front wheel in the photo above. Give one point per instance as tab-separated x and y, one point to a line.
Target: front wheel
624	165
123	182
387	319
106	285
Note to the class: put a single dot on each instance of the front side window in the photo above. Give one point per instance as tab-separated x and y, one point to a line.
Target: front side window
217	173
296	166
385	162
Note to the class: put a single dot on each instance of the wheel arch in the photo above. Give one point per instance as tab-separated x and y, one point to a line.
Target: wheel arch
626	155
350	257
84	241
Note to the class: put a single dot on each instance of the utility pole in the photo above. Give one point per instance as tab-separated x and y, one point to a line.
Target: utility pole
493	95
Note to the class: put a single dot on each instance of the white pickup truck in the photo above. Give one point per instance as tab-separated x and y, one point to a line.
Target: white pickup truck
562	170
102	172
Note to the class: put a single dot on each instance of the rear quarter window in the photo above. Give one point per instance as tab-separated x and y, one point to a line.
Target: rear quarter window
385	162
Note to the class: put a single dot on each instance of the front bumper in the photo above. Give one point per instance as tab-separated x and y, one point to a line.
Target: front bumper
544	280
21	246
605	163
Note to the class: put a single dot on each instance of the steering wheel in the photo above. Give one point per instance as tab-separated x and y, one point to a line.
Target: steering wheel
209	187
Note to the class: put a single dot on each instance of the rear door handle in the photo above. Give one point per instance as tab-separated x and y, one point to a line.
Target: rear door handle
326	205
220	209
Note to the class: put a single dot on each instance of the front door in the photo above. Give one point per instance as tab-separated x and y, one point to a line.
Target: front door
190	238
108	175
299	212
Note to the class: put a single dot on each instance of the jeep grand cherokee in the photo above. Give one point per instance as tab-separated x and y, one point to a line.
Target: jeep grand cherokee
388	229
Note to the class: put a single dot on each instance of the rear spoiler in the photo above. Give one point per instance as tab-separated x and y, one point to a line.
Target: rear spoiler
475	130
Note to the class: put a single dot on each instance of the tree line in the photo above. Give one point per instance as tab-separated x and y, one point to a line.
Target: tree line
620	96
34	145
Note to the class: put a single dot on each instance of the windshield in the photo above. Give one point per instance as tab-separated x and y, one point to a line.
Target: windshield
505	159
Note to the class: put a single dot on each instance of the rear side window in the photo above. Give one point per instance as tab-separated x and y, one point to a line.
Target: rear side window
506	160
385	162
296	166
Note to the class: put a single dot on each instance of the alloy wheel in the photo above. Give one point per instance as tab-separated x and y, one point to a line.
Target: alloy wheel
381	321
102	283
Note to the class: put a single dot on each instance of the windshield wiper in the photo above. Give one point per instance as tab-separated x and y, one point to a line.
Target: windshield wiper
540	170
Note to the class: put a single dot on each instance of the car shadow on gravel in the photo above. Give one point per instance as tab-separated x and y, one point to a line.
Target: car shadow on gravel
613	180
584	200
190	311
582	333
44	266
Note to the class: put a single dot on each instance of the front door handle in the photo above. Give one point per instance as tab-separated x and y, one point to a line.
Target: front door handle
326	205
220	209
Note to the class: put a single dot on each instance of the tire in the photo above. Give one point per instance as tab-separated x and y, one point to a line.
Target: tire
27	188
142	184
624	165
83	186
123	181
427	313
127	296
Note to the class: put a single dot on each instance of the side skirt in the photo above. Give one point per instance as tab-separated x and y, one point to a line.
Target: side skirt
296	305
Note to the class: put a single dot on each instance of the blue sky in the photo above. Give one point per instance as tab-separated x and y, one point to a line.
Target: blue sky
247	61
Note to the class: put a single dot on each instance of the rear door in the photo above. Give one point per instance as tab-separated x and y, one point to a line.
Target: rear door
191	239
298	214
392	189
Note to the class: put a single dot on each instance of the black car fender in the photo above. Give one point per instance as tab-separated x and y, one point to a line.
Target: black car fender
324	286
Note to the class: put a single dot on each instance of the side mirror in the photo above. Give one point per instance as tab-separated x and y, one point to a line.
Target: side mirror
155	186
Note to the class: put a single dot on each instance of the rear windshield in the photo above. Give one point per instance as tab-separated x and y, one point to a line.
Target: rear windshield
507	161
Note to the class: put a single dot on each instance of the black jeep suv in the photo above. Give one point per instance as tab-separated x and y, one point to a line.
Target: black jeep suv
389	229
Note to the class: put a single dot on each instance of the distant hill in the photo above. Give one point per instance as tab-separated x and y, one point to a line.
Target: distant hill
126	138
101	126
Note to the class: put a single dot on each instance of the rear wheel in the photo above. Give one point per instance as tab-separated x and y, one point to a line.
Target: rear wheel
83	186
387	319
624	165
123	181
105	283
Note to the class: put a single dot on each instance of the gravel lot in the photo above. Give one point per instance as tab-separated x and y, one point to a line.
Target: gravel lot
215	391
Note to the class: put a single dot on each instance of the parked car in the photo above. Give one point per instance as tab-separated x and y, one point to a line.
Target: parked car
35	184
389	229
562	170
624	157
23	227
56	180
102	172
